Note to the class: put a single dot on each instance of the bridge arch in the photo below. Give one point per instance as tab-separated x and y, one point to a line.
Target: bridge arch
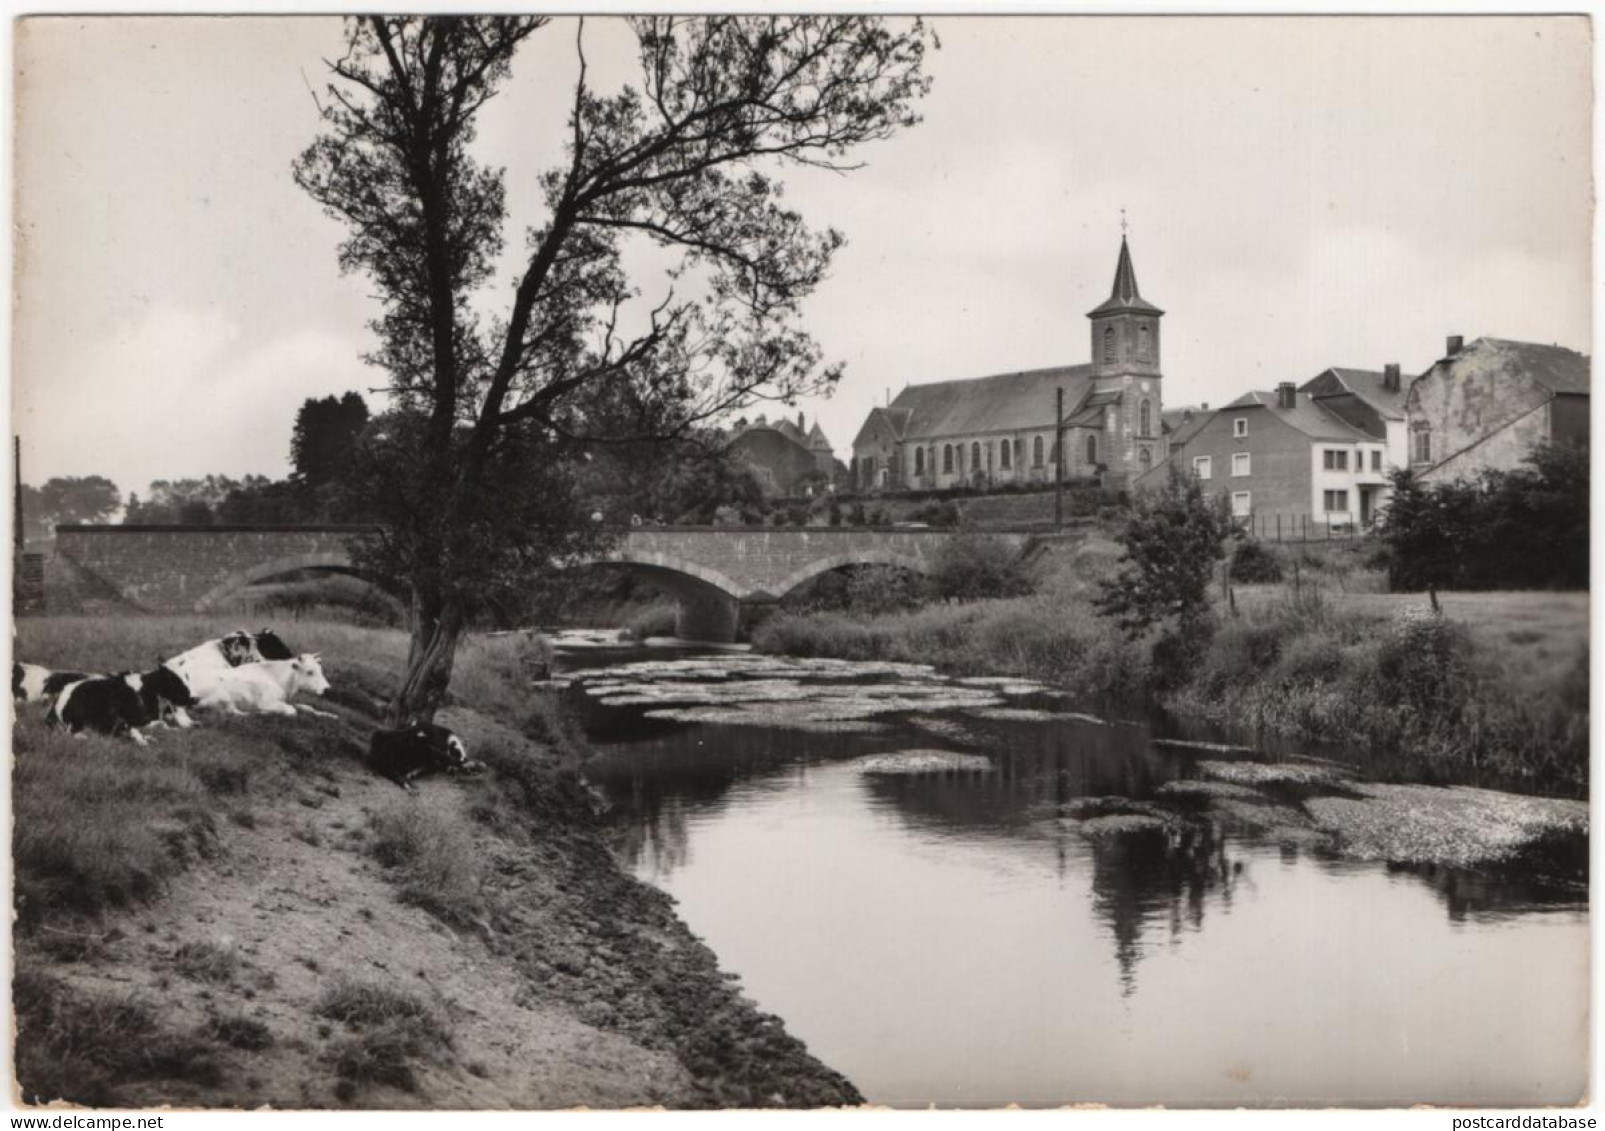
330	561
846	560
709	602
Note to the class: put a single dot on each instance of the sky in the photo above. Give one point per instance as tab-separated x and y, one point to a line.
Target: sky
1300	192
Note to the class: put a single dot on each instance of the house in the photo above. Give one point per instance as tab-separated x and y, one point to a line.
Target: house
1373	402
1000	429
786	458
1486	406
1287	460
1180	424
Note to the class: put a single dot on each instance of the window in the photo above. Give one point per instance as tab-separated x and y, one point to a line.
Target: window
1423	451
1003	452
1242	504
1335	460
1240	463
1145	344
1201	466
1108	343
1036	451
919	461
1240	427
1337	501
947	459
1145	419
1019	452
1376	461
1092	449
975	457
958	458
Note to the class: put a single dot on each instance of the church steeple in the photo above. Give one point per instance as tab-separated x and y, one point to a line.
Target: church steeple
1124	296
1125	326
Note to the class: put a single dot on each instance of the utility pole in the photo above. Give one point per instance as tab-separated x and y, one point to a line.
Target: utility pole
16	493
1058	454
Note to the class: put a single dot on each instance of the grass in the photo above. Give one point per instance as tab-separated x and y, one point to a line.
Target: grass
1495	692
433	855
86	1048
207	962
394	1032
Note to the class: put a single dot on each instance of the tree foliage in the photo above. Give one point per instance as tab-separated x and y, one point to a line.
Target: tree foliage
325	437
1521	529
67	499
685	159
1172	539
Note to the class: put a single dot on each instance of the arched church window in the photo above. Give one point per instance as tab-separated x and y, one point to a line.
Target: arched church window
1145	344
947	459
1036	451
919	461
1092	449
975	456
1108	343
1019	453
1003	455
1145	419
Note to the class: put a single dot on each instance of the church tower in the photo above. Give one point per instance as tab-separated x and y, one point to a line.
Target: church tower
1125	363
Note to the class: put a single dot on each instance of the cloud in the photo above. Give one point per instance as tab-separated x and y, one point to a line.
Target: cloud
178	392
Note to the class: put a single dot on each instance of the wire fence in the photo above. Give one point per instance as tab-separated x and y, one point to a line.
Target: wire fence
1302	528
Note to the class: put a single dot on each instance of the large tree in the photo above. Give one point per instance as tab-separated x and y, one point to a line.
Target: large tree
325	437
687	159
64	499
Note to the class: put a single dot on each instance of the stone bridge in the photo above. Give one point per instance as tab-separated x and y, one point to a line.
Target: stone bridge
711	571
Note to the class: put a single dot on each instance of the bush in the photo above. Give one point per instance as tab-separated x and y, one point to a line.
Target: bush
394	1031
970	567
1253	563
943	512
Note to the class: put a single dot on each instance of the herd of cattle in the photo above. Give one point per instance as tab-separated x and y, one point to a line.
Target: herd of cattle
256	671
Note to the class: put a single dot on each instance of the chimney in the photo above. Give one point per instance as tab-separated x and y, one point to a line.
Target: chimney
1454	344
1186	415
1390	376
800	427
1286	395
1204	407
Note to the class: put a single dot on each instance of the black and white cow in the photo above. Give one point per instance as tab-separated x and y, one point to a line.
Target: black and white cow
164	694
109	704
31	683
424	748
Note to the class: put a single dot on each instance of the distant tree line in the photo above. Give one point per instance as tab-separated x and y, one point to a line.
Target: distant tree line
1521	529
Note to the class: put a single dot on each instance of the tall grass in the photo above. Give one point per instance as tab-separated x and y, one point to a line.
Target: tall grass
437	866
1418	689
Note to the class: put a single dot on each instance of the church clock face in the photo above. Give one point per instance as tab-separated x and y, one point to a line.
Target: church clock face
1145	386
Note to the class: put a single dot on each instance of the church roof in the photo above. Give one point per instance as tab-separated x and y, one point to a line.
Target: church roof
1000	403
1124	296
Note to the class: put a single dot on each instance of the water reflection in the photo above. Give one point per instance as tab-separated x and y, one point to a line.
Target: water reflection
982	937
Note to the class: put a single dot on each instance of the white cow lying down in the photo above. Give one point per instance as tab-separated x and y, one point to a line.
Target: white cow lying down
266	688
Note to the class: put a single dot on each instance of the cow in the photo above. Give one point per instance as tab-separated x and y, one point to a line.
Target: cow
107	704
31	683
267	687
424	748
206	663
164	694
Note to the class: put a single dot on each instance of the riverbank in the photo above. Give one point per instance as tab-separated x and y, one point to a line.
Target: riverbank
242	915
1440	698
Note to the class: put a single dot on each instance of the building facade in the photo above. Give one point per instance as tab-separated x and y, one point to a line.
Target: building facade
989	431
1486	406
1285	462
787	459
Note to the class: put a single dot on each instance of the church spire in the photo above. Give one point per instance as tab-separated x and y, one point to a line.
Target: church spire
1124	296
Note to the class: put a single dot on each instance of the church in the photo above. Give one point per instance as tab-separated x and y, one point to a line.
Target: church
987	431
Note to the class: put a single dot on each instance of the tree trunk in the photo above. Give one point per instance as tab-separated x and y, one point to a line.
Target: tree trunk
436	628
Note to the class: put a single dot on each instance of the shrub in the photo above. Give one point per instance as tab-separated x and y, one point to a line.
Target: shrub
883	589
1253	563
969	567
659	619
394	1030
206	962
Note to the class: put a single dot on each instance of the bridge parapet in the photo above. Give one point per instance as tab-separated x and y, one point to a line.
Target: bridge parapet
709	569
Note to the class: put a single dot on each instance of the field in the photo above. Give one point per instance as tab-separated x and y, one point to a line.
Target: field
243	914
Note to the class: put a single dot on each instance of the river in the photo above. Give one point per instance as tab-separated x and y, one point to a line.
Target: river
995	935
